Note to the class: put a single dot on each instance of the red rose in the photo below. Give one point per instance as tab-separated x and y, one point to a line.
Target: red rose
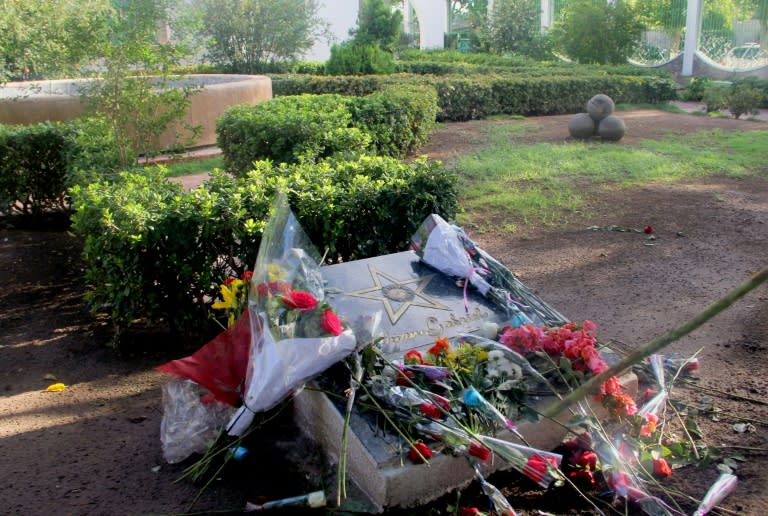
299	300
246	276
536	468
469	511
413	357
430	411
479	451
229	281
661	468
330	323
419	453
648	229
586	459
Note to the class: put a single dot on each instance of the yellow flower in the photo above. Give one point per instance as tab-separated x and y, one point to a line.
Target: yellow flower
275	273
230	297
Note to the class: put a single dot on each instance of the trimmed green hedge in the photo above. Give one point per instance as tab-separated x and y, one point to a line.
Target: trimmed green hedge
39	162
399	119
479	96
308	128
155	253
290	129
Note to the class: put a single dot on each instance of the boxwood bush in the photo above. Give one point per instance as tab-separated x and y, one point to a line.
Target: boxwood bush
156	254
309	128
39	162
289	129
465	97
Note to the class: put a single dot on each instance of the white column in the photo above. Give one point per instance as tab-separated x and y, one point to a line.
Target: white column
547	14
692	30
433	22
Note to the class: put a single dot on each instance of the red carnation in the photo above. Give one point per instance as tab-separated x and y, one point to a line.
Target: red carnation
330	323
479	451
419	453
299	300
661	468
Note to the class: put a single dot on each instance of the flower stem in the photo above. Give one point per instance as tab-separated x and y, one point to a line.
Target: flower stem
638	355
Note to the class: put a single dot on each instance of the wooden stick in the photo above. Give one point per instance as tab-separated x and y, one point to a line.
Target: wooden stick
659	343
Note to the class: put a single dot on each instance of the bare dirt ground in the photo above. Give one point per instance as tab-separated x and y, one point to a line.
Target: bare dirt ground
94	448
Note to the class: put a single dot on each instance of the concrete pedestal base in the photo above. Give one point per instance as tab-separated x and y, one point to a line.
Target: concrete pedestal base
377	464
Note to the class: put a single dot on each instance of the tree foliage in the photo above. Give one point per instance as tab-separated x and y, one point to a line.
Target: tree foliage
593	32
243	35
136	90
48	38
513	27
378	24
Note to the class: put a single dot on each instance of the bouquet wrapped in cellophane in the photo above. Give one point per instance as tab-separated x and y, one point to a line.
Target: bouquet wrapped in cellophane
448	249
295	334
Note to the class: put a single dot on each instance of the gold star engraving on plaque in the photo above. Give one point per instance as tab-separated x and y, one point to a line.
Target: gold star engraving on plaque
388	290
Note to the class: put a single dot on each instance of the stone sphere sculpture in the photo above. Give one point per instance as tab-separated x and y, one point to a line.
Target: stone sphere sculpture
581	126
611	128
600	106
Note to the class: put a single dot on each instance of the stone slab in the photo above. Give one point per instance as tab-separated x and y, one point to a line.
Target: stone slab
416	304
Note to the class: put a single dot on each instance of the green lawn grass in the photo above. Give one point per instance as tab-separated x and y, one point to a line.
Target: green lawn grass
191	167
545	183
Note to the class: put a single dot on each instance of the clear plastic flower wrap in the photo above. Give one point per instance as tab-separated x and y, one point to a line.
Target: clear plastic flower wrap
448	249
295	334
190	422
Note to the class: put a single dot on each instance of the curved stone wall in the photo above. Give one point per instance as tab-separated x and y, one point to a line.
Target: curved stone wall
33	102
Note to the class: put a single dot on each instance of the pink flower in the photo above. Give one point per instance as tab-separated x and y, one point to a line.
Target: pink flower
419	453
650	427
299	300
330	323
649	393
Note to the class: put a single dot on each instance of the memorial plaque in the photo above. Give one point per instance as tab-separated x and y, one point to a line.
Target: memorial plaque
416	303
